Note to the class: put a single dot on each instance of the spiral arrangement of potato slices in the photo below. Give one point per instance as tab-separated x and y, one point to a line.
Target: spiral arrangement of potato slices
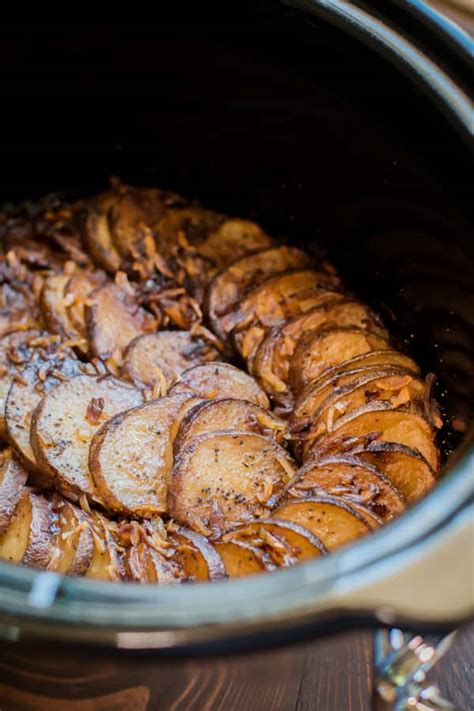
183	397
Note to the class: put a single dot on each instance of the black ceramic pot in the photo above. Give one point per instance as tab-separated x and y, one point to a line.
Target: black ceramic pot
327	121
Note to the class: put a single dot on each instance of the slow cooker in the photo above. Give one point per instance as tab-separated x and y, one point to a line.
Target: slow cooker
341	123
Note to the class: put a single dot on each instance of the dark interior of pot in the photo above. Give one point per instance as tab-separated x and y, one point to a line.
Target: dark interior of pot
307	132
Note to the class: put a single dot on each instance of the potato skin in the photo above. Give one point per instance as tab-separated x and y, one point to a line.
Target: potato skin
113	319
158	359
227	414
26	392
39	550
387	425
13	478
16	350
64	423
212	381
198	559
318	350
333	521
353	481
131	457
406	468
221	479
231	284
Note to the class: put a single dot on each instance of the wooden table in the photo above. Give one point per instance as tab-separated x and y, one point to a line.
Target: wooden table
334	674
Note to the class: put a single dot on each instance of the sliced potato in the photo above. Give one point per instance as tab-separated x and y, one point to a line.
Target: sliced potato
13	478
113	319
133	213
131	457
393	386
229	414
53	307
318	350
40	534
196	556
65	422
272	360
14	541
377	358
333	521
158	359
212	381
316	392
387	425
221	479
354	481
405	467
233	283
16	350
96	233
72	541
281	543
76	292
193	224
27	390
277	299
232	239
240	558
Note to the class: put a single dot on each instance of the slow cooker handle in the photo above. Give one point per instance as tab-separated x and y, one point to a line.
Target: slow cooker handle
402	662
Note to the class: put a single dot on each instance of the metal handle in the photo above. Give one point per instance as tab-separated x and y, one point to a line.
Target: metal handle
402	662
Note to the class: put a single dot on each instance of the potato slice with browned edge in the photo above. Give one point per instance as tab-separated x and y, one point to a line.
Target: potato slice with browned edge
113	319
193	224
27	390
232	284
241	558
76	292
158	359
387	425
16	350
393	386
318	350
221	479
354	481
229	414
72	542
271	302
317	391
405	467
65	422
272	360
196	556
333	521
231	240
95	232
212	381
12	482
131	457
28	538
280	543
133	214
53	306
371	359
106	562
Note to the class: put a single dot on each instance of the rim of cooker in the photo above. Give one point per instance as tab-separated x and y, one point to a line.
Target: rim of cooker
130	616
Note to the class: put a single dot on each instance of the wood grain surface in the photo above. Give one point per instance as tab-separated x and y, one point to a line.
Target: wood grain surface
333	674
